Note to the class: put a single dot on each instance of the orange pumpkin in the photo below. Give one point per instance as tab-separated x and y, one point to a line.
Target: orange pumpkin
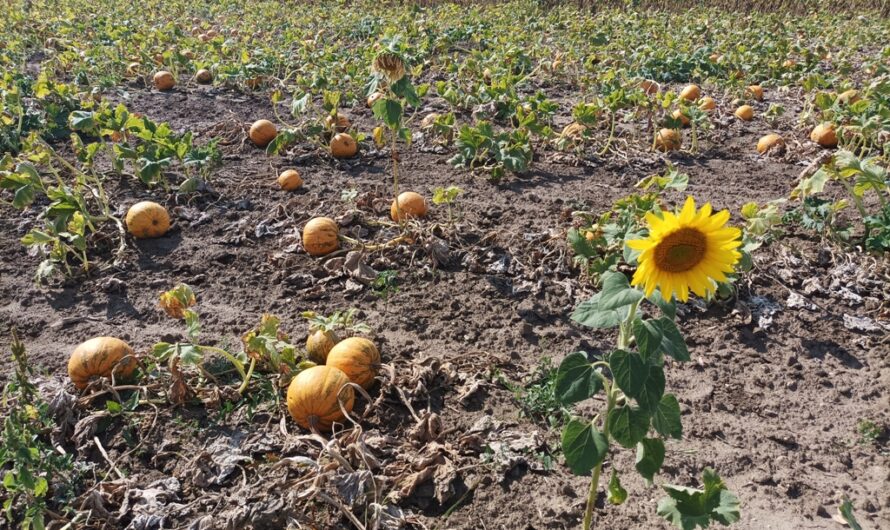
358	358
319	344
824	134
755	91
770	142
262	132
681	117
374	98
849	96
203	76
321	236
99	357
147	219
411	204
707	103
789	63
649	87
313	397
745	113
343	146
667	140
163	80
690	93
290	180
340	123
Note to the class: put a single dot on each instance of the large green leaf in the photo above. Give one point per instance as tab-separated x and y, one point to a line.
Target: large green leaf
583	446
629	370
617	291
689	508
593	315
666	419
628	425
389	111
648	336
650	457
576	379
672	342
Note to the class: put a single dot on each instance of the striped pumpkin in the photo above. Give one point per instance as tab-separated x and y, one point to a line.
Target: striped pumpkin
312	397
319	344
358	358
321	236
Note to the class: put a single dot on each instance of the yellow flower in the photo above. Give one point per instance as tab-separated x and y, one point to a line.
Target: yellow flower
691	250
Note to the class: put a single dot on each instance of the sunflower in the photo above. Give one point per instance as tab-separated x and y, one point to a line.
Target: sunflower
691	250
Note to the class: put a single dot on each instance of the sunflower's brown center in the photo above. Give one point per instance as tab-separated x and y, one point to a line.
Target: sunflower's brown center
680	250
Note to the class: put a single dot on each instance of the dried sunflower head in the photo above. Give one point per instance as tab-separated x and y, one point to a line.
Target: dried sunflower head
390	65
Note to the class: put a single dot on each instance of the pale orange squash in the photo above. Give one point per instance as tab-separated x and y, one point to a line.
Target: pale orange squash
745	113
147	219
340	123
690	92
824	134
667	140
321	236
313	397
343	146
358	358
262	132
770	142
755	91
290	180
163	80
99	357
411	204
203	76
319	344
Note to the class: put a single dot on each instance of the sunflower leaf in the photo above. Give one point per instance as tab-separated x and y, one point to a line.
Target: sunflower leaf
666	418
672	342
616	493
689	508
617	291
650	457
576	379
584	446
628	425
593	315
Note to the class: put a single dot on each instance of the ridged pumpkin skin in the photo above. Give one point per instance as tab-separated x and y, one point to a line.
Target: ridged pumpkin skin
290	180
97	357
163	80
147	219
262	132
319	344
744	113
690	93
768	142
358	358
321	236
667	140
825	135
411	204
755	91
343	146
312	397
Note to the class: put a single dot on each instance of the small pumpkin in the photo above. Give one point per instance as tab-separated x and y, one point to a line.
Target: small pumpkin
848	97
262	132
358	358
374	98
411	204
147	219
770	142
340	123
319	344
681	117
188	54
290	180
707	103
163	80
203	76
789	63
343	146
754	91
321	236
99	357
667	140
313	397
649	87
573	131
745	113
690	92
824	134
429	120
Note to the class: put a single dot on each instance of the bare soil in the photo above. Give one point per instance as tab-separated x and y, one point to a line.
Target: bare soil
771	400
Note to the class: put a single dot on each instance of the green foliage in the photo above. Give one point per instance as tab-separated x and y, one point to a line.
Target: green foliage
537	399
870	433
480	147
689	508
385	284
35	475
